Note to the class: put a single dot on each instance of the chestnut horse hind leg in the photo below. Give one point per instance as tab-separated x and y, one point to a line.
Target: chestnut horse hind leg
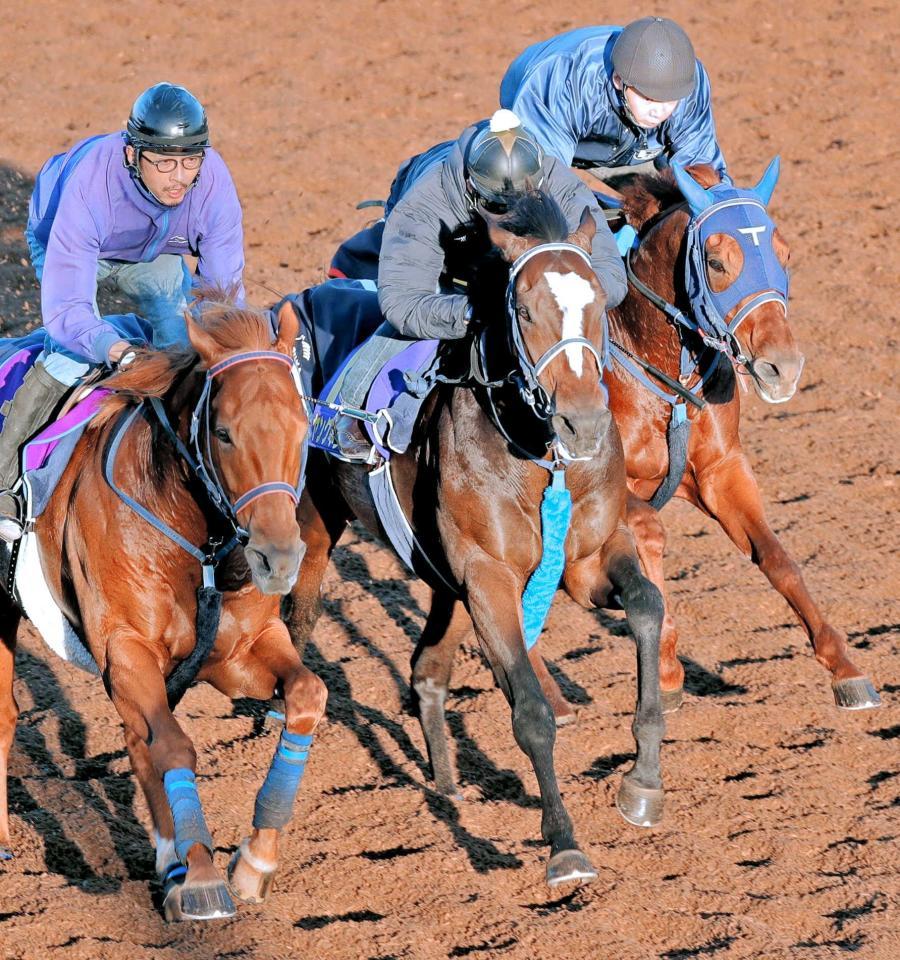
498	625
138	691
269	664
650	540
728	492
9	710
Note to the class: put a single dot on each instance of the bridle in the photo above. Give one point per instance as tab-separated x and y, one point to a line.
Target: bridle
526	376
203	466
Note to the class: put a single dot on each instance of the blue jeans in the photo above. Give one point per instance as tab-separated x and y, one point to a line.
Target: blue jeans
362	369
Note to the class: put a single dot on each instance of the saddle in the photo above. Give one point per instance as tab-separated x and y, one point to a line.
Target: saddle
336	317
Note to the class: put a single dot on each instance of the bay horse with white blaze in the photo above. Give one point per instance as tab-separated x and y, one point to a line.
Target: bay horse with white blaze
206	442
471	486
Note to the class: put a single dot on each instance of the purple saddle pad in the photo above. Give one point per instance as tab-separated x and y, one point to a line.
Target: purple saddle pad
13	371
39	449
389	395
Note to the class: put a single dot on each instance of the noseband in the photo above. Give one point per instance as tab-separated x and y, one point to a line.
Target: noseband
530	388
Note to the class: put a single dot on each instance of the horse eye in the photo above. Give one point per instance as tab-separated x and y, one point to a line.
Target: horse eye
222	434
716	265
523	314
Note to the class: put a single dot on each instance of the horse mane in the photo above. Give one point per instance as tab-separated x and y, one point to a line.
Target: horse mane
536	214
154	372
644	195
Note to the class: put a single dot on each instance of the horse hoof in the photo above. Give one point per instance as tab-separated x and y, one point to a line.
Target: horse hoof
171	905
640	806
262	882
206	901
565	717
5	853
569	866
857	693
671	699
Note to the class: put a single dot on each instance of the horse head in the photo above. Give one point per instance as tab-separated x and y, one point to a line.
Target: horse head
736	278
556	321
248	432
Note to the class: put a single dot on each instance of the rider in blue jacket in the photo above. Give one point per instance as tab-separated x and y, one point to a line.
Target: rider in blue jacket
607	98
122	207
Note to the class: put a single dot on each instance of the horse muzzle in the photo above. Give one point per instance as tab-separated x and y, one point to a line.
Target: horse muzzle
274	568
581	435
775	376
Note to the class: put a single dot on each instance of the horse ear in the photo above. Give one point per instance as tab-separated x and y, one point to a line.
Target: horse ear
511	246
584	236
698	199
206	347
766	185
288	329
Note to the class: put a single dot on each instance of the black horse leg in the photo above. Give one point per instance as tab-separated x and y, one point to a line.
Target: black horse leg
493	594
447	625
640	798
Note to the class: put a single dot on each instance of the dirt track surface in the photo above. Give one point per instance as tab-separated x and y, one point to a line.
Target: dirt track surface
783	814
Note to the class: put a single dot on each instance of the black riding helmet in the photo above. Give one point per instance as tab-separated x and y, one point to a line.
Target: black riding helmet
503	161
167	118
656	58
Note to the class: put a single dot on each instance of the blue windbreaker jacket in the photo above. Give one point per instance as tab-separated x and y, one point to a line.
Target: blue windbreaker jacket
87	207
562	91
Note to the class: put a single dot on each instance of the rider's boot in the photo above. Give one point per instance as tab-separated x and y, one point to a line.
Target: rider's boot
349	438
25	414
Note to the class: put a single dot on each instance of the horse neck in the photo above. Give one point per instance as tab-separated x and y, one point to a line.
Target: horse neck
636	323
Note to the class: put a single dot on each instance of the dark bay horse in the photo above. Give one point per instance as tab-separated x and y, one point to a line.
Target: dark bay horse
718	478
223	419
471	485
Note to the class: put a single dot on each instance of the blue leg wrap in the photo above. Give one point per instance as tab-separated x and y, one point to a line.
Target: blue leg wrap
275	800
190	825
556	511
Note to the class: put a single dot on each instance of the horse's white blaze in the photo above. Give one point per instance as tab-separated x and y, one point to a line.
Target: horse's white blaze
573	294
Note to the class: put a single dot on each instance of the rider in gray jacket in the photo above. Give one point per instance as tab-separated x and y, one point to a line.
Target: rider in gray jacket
491	164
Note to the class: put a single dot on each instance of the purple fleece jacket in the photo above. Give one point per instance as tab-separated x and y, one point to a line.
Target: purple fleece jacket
87	207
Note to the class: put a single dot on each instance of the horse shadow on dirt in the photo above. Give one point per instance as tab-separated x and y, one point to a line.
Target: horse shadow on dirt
364	721
105	800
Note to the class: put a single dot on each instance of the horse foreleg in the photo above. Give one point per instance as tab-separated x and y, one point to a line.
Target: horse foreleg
272	661
493	596
9	710
640	797
170	871
446	627
319	534
138	691
650	541
728	491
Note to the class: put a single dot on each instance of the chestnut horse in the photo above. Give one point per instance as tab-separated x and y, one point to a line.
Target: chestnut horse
718	478
131	585
471	486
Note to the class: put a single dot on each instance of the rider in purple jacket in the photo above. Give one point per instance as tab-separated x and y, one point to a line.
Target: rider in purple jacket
123	207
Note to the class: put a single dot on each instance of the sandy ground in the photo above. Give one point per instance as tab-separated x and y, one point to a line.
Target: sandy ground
783	814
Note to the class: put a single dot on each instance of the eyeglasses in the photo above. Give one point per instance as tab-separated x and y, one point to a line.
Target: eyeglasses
170	164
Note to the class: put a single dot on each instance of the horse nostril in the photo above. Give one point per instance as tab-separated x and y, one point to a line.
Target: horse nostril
767	371
262	560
